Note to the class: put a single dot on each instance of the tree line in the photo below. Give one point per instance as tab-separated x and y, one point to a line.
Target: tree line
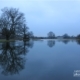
65	36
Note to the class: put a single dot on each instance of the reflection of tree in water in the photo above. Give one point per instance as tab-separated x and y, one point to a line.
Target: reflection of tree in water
12	57
65	41
30	44
51	43
78	42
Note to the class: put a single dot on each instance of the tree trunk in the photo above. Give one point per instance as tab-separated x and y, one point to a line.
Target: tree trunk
7	37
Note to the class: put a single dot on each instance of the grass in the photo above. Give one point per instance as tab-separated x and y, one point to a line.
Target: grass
4	40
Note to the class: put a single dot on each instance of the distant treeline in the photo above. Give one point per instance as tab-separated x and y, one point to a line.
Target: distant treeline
51	35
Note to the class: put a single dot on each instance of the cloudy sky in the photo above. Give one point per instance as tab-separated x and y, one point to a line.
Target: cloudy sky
42	16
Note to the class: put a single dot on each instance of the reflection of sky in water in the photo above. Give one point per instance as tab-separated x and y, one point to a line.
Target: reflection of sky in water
45	63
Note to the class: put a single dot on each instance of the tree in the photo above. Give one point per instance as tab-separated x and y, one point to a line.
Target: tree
66	36
51	35
30	34
78	36
25	32
12	22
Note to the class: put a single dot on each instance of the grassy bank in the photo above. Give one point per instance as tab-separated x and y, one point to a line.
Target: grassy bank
4	40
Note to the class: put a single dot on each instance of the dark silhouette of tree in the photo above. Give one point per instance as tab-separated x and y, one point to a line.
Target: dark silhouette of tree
78	36
12	23
12	58
25	32
51	43
66	36
31	35
51	35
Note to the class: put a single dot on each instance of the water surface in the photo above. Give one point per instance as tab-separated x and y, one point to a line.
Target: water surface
39	60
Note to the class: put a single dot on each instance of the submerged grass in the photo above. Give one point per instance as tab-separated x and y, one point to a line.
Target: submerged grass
4	40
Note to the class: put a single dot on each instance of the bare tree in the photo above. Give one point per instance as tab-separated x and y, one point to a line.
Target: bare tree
11	22
66	36
51	35
25	32
78	36
31	34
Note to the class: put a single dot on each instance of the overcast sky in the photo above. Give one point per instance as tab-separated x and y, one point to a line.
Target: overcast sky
42	16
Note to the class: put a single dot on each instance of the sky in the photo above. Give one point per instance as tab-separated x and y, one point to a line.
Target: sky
43	16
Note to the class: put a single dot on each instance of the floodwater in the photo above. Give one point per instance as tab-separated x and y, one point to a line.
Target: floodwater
40	60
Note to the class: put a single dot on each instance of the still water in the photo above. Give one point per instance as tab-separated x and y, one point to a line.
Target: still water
40	60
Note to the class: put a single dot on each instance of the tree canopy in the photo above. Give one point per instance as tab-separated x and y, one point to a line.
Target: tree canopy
66	36
51	35
12	23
